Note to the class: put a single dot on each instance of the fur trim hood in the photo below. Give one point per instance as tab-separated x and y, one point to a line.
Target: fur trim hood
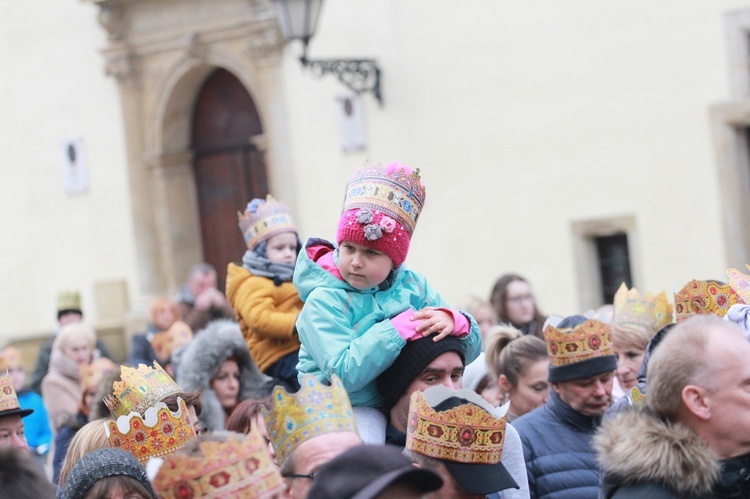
200	360
634	447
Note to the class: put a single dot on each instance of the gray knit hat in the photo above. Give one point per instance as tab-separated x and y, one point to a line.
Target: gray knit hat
103	463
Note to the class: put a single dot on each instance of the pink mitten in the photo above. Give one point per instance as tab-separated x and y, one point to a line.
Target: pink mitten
405	326
461	325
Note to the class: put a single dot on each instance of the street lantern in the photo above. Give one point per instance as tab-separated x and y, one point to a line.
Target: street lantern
298	20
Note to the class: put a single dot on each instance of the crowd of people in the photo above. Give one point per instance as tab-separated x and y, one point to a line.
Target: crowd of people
333	370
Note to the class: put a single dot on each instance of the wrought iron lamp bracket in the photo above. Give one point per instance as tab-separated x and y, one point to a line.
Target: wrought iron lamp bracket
359	75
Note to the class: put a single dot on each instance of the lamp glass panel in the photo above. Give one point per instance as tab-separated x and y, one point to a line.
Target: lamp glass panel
298	18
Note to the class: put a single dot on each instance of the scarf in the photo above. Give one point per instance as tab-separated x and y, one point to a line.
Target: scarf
263	267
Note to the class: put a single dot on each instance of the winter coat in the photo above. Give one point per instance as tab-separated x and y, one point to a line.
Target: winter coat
643	456
560	461
141	351
199	319
36	424
266	314
347	332
60	390
200	360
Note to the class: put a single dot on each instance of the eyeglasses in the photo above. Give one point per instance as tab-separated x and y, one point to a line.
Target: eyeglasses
310	476
200	431
519	299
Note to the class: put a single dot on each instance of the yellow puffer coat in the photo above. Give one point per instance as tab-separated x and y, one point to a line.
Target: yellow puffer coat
266	314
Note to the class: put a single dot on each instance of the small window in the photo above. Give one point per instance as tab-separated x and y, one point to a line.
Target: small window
614	264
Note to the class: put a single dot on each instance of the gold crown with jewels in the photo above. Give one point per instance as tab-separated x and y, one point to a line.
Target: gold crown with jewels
652	312
471	433
393	189
239	467
139	389
590	339
90	375
270	217
315	409
157	433
740	283
166	342
704	297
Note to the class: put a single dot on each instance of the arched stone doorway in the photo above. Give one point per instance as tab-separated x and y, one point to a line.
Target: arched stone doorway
229	168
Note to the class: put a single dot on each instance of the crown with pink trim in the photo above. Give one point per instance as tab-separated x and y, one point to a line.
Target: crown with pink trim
652	312
394	190
740	283
704	297
263	220
157	433
239	467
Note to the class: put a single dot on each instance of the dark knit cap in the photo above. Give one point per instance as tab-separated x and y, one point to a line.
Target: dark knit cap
103	463
413	359
582	369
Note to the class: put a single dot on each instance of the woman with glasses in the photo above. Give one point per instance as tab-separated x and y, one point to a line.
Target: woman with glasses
515	305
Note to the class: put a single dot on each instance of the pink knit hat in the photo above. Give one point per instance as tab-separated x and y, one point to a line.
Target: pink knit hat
381	209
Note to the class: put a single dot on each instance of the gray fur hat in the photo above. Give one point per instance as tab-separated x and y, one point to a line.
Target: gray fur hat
103	463
201	359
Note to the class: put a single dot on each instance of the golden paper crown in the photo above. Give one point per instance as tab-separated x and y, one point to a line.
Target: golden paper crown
467	433
159	432
8	397
239	467
263	220
586	341
389	189
313	410
139	389
740	283
91	375
637	396
651	312
702	297
168	341
10	358
68	299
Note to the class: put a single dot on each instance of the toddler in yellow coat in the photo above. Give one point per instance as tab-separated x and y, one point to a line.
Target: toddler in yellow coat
261	292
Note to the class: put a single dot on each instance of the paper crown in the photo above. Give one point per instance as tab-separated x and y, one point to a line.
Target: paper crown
68	299
239	467
394	190
588	340
9	400
740	283
704	297
159	432
472	433
10	358
651	312
139	389
91	375
269	217
166	342
313	410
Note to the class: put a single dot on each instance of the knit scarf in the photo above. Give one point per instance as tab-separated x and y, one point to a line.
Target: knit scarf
261	266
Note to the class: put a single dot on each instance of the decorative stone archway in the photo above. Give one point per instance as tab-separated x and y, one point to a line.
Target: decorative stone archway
160	52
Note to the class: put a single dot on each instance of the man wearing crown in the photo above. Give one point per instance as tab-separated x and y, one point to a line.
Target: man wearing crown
693	438
556	437
11	414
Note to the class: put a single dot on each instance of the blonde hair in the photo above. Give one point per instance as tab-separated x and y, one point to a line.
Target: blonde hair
473	304
71	331
509	352
631	335
90	437
159	303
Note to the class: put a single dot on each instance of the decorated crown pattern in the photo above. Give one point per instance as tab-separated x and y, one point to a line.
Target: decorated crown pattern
270	218
740	283
139	389
650	311
463	434
90	375
702	297
166	342
159	432
390	190
590	339
239	467
8	397
313	410
69	299
10	357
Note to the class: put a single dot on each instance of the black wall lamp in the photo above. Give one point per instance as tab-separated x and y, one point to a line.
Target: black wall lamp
298	20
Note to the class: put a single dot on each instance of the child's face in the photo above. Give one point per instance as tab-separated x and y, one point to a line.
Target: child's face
163	317
363	267
282	248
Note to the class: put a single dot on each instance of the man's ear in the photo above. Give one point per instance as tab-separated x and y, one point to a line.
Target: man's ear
697	401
